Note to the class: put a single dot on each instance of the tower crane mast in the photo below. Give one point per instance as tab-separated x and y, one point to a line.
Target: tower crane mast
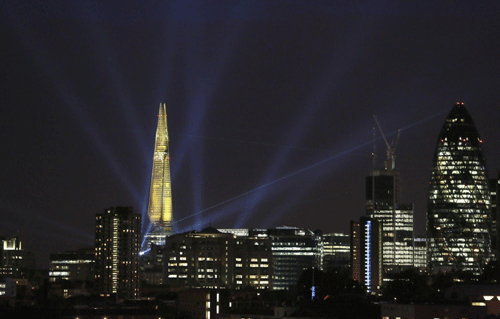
390	162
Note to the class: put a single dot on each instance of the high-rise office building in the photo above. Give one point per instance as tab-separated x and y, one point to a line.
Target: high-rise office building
383	192
420	254
495	217
160	194
199	259
293	250
213	259
11	251
14	260
117	243
336	251
459	211
366	253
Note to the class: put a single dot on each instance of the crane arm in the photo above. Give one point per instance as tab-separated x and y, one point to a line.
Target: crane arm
397	140
381	132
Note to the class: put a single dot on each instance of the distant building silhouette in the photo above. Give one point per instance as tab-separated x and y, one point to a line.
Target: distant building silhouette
117	243
459	207
152	265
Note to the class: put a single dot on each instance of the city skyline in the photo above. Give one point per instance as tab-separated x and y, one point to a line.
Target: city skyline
270	109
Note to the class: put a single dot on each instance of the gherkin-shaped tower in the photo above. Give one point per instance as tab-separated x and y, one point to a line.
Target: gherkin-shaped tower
458	216
160	194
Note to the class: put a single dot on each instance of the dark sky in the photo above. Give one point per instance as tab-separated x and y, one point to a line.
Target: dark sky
270	107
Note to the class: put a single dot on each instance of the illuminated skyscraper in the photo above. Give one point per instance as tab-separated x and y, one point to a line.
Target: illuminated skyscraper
160	194
383	190
459	216
383	203
495	217
117	243
366	253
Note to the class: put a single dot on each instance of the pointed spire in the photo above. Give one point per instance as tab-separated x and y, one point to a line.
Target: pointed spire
160	195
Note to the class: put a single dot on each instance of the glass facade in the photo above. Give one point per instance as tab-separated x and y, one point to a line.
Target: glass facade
383	192
336	251
160	195
397	234
459	216
420	253
495	216
294	250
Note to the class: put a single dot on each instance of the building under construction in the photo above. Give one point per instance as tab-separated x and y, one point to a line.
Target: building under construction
383	197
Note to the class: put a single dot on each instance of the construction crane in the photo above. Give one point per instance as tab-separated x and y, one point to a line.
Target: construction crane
374	152
390	162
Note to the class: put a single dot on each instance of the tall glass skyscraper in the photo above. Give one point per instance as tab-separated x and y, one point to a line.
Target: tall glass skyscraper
458	216
160	194
383	192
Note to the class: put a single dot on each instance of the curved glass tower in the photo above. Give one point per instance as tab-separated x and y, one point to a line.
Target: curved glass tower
458	216
160	194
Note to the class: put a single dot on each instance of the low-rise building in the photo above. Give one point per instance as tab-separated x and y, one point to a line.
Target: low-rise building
75	265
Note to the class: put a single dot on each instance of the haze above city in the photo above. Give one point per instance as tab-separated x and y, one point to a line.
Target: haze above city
270	108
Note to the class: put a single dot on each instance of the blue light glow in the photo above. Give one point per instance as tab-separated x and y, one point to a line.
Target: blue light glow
55	73
274	182
35	216
368	260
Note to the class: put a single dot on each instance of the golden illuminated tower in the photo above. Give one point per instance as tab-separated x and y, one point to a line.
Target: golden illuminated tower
160	194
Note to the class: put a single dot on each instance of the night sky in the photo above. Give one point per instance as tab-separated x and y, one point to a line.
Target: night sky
270	107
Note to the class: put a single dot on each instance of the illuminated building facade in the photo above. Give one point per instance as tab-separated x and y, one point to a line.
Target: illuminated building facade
237	258
160	194
383	191
495	217
117	243
253	262
420	254
336	251
213	259
12	252
14	260
72	265
294	250
203	303
366	253
8	287
459	211
199	259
